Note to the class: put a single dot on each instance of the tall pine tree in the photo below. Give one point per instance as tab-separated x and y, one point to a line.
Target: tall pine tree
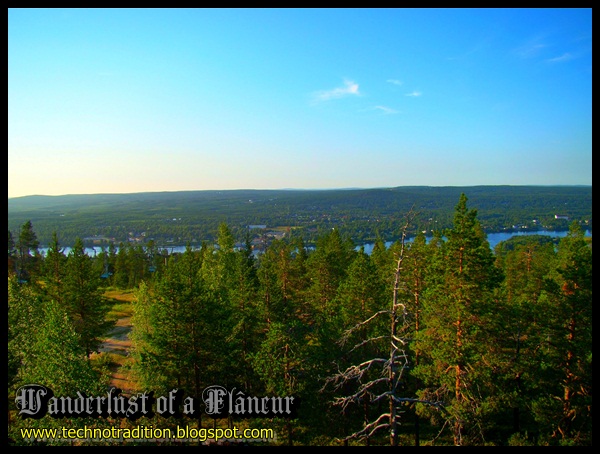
83	299
566	410
452	346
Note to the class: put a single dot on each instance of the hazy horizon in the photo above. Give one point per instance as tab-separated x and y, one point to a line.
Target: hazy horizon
302	189
123	101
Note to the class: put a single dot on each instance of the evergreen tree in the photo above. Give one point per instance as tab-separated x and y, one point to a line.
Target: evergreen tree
452	345
379	377
280	361
566	410
327	266
519	328
284	358
83	299
326	269
121	267
360	296
282	278
138	265
44	349
243	299
383	259
223	269
27	252
54	268
179	330
110	265
23	308
415	266
11	253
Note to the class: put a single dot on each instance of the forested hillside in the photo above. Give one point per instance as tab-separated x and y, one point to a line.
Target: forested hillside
362	214
440	342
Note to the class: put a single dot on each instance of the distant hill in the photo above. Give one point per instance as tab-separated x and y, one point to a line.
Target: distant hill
194	216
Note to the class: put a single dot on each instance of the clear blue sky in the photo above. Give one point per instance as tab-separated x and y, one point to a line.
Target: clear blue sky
135	100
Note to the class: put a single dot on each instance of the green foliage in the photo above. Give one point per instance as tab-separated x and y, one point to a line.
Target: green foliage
453	344
27	252
568	347
179	325
45	349
54	269
519	329
281	359
363	214
502	341
83	300
11	244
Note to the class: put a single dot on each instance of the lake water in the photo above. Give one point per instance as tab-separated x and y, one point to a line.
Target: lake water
493	239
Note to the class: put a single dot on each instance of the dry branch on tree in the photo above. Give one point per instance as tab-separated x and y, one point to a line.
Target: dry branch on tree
391	368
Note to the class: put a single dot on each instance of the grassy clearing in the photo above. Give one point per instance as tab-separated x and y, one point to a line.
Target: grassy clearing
285	228
120	301
120	310
120	295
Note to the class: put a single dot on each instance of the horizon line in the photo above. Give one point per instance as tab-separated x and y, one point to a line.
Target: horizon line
355	188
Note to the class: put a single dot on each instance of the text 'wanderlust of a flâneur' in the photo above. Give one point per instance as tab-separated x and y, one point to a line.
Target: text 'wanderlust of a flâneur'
35	401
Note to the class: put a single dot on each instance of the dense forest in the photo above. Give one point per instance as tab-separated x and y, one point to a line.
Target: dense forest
362	214
428	342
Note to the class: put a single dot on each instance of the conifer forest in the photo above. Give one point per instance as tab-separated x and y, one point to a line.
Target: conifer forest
428	341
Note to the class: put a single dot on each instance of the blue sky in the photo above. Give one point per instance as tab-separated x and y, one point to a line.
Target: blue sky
136	100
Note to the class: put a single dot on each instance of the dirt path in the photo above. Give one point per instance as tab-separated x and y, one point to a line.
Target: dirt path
118	345
118	341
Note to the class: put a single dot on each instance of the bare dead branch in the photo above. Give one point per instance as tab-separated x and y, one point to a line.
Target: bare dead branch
349	331
365	342
392	367
352	373
398	339
370	429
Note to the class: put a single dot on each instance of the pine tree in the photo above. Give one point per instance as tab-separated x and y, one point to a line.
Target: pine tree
11	254
452	344
224	269
179	329
83	299
518	331
383	259
54	269
379	377
566	410
360	296
243	300
44	349
327	266
27	252
415	269
284	358
121	267
280	361
282	278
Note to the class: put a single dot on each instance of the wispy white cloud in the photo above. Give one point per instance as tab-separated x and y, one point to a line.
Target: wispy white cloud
386	110
414	94
562	58
531	48
474	49
540	48
394	82
350	88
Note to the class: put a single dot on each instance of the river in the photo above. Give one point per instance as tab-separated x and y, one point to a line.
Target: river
493	239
